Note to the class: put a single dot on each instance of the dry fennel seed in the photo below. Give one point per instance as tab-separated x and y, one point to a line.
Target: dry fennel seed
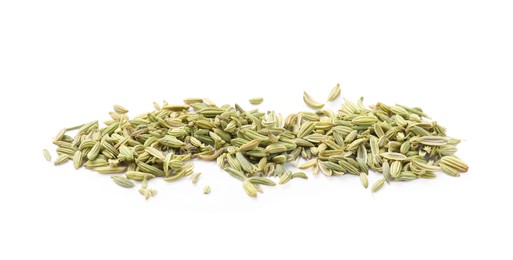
47	155
256	101
335	92
123	181
195	177
207	189
398	142
311	102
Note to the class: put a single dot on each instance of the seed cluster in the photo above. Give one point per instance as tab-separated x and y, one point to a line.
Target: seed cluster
397	142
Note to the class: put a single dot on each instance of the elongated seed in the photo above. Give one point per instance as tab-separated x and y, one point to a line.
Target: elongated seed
433	140
394	156
77	159
301	175
95	150
395	168
455	163
256	101
249	188
261	180
47	155
154	152
138	176
364	179
146	193
61	159
378	185
311	102
335	92
120	110
123	181
285	177
195	177
251	145
108	169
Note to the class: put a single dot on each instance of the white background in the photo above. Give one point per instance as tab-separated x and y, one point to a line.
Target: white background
67	62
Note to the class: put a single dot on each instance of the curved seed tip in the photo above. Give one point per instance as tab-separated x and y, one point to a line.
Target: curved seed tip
335	92
120	109
311	102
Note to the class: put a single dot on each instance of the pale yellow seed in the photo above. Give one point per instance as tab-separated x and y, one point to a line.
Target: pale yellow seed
146	193
206	190
251	145
60	135
386	171
335	92
95	150
61	159
249	188
455	163
77	159
195	177
256	101
394	156
433	140
309	164
364	180
154	152
120	110
285	177
395	168
262	181
138	176
47	155
311	102
364	120
209	102
123	181
378	185
301	175
176	107
190	101
108	169
144	183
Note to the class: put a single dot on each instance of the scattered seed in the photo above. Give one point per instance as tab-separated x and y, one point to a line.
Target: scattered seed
195	177
120	110
256	101
47	155
61	159
249	188
206	190
123	181
335	92
301	175
311	102
378	185
364	179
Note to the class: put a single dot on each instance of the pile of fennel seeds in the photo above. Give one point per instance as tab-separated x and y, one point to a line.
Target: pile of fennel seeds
396	142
